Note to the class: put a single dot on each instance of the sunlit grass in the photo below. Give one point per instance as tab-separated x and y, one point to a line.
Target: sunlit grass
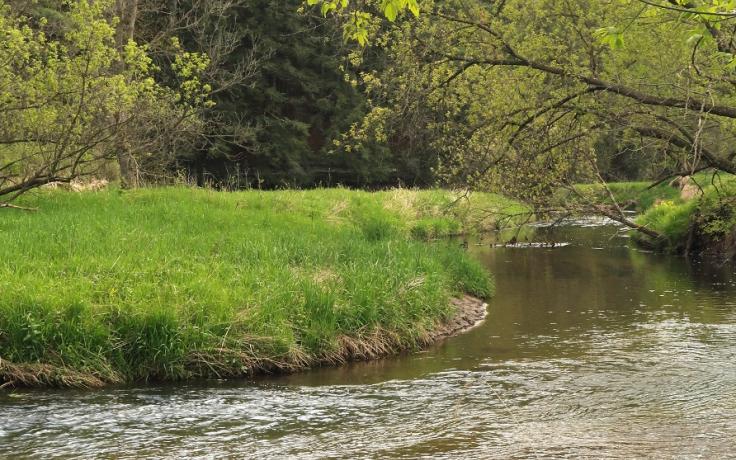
643	195
709	216
173	283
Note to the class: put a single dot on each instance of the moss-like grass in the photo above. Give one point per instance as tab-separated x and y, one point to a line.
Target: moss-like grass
165	284
701	224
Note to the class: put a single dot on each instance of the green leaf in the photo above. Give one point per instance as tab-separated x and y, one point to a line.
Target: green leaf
413	7
694	38
731	64
390	11
610	36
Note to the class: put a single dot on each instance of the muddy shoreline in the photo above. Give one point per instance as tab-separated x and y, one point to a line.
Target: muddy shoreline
471	312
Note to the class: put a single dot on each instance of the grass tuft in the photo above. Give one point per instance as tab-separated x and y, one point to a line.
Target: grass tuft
705	223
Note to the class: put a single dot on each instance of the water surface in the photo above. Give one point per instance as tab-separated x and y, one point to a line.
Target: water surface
591	349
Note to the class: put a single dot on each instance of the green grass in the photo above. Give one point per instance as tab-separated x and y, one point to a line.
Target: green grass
671	219
636	195
663	210
705	223
117	286
642	195
711	218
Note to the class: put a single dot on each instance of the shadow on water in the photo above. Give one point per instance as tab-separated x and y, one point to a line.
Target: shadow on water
589	349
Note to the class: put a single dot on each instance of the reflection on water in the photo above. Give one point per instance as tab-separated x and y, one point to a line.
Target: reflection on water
591	349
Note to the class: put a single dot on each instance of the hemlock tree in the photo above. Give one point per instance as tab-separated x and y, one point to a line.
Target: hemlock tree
275	128
283	126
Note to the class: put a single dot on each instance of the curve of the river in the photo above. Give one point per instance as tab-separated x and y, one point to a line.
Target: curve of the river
592	349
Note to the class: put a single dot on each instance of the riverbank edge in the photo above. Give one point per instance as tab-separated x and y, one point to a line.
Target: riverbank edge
701	225
470	312
693	215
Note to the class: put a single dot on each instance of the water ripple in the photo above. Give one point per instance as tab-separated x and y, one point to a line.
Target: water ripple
584	354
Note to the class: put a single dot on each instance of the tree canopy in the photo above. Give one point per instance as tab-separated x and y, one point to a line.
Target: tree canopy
527	98
73	91
524	96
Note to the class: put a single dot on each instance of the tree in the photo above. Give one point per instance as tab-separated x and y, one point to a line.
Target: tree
273	130
75	92
360	17
283	128
206	34
521	92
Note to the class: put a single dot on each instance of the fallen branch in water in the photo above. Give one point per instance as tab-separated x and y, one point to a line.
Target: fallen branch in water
621	218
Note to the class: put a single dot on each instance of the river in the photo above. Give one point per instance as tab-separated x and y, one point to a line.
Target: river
591	349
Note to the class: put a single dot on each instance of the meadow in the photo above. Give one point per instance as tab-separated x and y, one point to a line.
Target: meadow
117	286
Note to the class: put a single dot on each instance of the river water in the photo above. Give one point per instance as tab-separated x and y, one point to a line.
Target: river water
592	349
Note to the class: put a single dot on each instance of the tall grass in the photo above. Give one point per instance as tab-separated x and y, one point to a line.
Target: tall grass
672	220
115	286
707	217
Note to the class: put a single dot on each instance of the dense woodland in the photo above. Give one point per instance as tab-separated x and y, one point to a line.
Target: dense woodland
262	97
278	91
523	98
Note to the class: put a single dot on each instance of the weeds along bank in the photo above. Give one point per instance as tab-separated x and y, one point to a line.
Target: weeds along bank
704	223
696	215
110	286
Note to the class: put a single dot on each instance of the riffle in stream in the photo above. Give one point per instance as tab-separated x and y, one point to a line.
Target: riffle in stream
590	349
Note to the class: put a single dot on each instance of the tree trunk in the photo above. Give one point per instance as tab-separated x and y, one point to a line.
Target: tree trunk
128	177
127	12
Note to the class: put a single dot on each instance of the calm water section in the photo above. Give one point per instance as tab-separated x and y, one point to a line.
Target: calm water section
590	350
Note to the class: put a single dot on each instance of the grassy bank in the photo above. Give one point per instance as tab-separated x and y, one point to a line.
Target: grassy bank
635	196
702	223
705	224
113	286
